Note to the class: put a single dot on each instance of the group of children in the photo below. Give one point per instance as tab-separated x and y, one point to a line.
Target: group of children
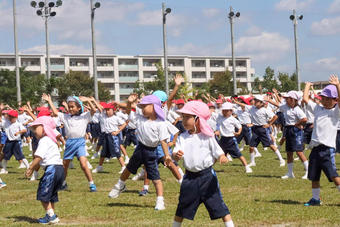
165	131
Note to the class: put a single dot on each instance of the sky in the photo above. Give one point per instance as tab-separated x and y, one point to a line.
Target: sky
195	27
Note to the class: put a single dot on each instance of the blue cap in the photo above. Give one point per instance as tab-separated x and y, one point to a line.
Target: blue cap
161	95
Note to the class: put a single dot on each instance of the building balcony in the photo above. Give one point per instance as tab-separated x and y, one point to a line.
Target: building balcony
125	90
128	67
128	79
58	67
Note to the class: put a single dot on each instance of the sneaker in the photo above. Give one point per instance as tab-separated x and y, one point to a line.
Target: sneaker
127	159
258	155
305	177
230	159
64	187
49	220
313	202
144	192
248	169
89	165
139	176
122	170
98	169
34	176
241	149
282	163
160	205
296	159
93	188
107	160
22	166
3	184
252	164
287	176
95	155
3	171
114	193
266	148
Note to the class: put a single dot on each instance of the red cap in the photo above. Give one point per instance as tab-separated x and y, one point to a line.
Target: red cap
5	111
211	105
269	93
13	113
111	105
21	109
180	101
61	108
44	113
174	101
317	97
103	104
219	101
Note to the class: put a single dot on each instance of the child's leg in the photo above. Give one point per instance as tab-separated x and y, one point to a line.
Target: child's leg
85	168
66	163
252	156
177	221
159	187
121	161
101	161
174	170
278	154
243	160
123	150
336	181
228	222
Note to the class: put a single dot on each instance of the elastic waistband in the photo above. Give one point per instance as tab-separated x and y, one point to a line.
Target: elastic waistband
146	147
258	126
45	168
76	138
200	173
322	147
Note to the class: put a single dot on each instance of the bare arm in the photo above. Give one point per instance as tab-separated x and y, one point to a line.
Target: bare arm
178	80
33	166
48	99
29	112
306	92
333	79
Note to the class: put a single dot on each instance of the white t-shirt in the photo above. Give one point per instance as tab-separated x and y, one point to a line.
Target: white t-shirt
132	123
49	152
57	121
227	125
122	115
200	151
172	115
110	124
75	126
243	116
171	129
292	115
11	129
149	132
325	125
24	118
212	121
309	113
95	117
260	116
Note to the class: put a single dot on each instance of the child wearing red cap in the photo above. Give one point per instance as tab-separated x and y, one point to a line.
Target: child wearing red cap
199	150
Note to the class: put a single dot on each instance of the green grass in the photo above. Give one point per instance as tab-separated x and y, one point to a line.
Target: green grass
257	199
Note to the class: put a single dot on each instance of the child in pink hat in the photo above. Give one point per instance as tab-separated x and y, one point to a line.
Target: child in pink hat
199	150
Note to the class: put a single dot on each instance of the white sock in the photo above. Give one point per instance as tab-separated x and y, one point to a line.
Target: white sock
91	182
0	180
278	154
252	157
4	164
336	186
256	150
176	224
290	168
26	163
180	181
50	212
305	164
229	223
64	183
120	183
146	187
316	193
30	146
160	198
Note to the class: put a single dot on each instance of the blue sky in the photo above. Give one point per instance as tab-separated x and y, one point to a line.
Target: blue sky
195	27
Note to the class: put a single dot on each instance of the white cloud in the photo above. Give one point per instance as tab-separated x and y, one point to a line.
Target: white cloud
334	7
192	49
327	26
211	12
330	64
285	5
66	49
253	30
264	47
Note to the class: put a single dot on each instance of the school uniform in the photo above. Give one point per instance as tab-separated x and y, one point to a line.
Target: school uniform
95	126
24	119
200	183
130	134
228	142
171	130
13	142
323	141
294	135
124	117
52	180
260	117
308	129
245	120
75	130
3	136
149	135
111	143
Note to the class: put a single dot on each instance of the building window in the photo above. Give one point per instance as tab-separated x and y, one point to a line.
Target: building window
128	74
127	62
79	62
30	61
198	63
151	62
216	63
104	62
176	62
7	62
105	74
150	74
110	86
197	75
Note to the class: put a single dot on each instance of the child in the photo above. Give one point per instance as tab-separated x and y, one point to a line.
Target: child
113	125
226	125
295	118
151	130
323	139
199	150
48	156
2	184
75	124
13	130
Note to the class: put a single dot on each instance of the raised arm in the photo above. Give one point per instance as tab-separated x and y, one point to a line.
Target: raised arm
48	99
306	92
27	109
178	81
99	107
333	79
272	102
88	100
132	98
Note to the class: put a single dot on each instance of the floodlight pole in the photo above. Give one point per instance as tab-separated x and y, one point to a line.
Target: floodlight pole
165	50
17	71
94	52
48	64
232	51
296	50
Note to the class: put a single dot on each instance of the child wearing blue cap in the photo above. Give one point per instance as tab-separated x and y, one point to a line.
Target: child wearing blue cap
323	140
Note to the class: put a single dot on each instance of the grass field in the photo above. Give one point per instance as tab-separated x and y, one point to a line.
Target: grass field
257	199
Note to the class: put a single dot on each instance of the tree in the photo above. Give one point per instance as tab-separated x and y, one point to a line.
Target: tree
287	82
269	81
221	84
79	83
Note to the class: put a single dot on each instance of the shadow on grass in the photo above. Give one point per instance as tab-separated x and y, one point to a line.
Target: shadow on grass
131	191
219	171
289	202
332	205
127	205
23	219
264	176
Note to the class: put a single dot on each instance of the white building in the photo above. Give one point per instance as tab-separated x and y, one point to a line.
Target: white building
119	73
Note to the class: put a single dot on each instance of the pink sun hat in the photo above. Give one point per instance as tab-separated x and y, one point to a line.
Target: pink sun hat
152	99
201	110
48	124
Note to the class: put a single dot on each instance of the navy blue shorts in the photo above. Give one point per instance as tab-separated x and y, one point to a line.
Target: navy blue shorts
147	156
13	148
50	184
320	160
35	143
120	138
245	134
88	128
3	138
338	142
307	133
294	139
130	137
110	146
229	146
95	130
101	139
180	127
197	188
280	119
260	134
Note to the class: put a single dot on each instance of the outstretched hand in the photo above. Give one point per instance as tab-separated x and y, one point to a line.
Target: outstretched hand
132	98
333	79
46	97
178	79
